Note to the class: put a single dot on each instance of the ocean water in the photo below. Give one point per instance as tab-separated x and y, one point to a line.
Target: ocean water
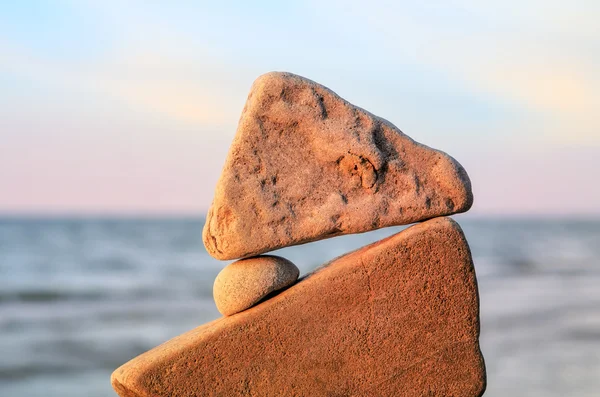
79	297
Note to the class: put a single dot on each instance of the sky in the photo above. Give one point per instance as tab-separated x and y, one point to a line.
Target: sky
114	107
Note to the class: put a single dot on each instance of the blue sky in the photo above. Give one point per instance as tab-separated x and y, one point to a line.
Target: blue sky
120	107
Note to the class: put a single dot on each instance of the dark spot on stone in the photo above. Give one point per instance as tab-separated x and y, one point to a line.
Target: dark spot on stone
344	198
381	142
291	210
321	104
375	222
417	184
286	95
428	202
274	179
450	204
333	231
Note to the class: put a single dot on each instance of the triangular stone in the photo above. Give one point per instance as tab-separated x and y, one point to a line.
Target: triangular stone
307	165
396	318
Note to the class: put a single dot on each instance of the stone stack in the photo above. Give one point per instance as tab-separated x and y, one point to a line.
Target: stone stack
399	317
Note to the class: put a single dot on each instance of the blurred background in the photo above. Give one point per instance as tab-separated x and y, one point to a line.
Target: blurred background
116	117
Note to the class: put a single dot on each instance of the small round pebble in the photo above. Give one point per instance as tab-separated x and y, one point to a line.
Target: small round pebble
245	282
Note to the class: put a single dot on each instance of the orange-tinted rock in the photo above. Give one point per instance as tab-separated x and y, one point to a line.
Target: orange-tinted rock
395	318
307	165
242	284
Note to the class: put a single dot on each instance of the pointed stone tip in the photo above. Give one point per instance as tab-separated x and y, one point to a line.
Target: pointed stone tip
116	380
210	240
454	178
207	238
275	76
442	222
264	81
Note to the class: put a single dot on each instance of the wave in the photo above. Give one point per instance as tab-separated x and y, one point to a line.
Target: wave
43	296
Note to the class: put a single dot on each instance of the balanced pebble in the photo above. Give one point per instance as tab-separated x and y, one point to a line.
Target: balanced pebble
244	283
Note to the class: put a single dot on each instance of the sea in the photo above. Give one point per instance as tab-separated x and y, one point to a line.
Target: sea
81	296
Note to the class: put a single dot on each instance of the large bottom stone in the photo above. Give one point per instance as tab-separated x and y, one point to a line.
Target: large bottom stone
399	317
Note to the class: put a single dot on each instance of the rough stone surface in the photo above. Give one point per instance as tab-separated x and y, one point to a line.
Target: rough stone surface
307	165
244	283
396	318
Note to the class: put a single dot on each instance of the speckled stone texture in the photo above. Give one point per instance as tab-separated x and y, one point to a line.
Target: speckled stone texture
242	284
307	165
396	318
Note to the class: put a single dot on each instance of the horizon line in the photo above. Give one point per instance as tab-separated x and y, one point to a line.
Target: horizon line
183	215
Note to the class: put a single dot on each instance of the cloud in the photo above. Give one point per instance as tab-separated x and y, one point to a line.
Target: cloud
191	98
536	56
148	65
